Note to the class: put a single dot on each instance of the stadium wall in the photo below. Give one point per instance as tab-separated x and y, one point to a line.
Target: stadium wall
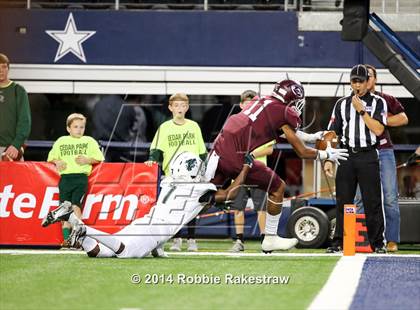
180	38
161	52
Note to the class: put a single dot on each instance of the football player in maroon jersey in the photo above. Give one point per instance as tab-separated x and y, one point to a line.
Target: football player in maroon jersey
261	121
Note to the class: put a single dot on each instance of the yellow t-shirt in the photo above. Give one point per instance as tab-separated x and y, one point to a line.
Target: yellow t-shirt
263	159
172	138
67	148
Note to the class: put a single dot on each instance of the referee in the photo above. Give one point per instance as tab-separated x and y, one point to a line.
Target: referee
359	119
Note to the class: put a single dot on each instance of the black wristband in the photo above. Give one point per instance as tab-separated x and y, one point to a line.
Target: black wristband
362	112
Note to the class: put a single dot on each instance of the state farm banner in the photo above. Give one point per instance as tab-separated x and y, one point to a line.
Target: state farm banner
118	193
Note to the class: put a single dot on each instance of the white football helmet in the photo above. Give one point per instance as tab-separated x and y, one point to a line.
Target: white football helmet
187	167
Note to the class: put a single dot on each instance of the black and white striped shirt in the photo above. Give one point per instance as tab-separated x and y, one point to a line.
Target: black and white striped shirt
351	127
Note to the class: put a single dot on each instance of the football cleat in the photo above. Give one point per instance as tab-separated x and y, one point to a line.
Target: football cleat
237	247
77	235
65	245
276	243
380	250
192	245
62	213
334	249
176	245
159	252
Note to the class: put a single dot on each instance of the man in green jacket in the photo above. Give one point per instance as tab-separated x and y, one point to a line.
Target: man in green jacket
15	114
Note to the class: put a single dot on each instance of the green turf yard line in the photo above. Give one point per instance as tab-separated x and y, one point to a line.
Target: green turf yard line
77	282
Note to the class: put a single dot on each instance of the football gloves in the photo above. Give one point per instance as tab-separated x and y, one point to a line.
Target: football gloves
334	155
249	159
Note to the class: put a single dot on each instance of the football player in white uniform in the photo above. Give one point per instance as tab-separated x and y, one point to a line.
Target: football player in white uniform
183	196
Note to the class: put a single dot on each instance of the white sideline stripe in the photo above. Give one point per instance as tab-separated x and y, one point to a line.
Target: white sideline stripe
41	252
248	254
338	292
76	252
283	254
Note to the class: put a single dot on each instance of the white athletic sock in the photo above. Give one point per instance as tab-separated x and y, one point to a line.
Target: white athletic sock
105	252
73	220
106	239
271	224
89	244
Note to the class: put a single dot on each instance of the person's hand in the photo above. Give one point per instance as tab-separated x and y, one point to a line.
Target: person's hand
336	154
249	159
413	158
329	168
318	135
82	160
60	165
333	154
149	163
357	103
11	152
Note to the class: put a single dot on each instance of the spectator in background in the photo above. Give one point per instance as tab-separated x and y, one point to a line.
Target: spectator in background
73	156
113	119
40	108
15	115
258	196
396	117
138	129
118	120
172	137
411	182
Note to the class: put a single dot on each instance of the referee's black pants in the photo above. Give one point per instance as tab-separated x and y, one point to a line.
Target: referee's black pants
363	168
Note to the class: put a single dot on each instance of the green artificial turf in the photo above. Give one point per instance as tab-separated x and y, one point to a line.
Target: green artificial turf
74	281
79	282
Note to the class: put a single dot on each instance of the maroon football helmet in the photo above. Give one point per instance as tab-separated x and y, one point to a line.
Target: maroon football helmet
290	93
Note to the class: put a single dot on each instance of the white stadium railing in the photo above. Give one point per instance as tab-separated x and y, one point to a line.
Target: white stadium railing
156	80
379	6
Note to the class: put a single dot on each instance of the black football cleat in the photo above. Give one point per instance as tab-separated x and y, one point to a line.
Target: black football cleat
77	235
380	250
334	249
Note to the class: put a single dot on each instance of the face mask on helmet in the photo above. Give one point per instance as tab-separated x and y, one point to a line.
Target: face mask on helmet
290	93
187	167
298	105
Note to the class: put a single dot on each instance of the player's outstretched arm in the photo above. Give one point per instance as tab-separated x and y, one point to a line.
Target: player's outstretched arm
309	137
223	195
310	153
300	148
